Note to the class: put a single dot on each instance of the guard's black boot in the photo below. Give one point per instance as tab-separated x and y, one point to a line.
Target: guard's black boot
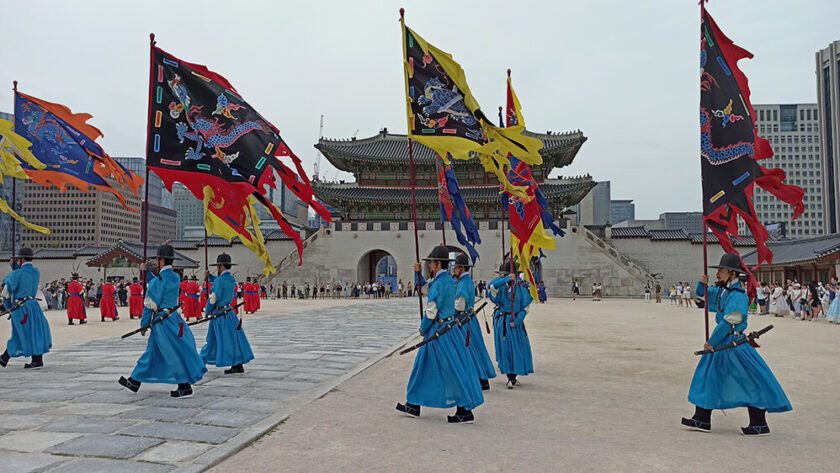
702	420
82	322
235	369
184	389
70	322
103	319
462	416
37	362
758	423
4	359
485	385
131	384
412	410
512	382
116	318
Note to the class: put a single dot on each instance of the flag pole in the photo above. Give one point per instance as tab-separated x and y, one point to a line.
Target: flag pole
413	184
14	191
148	134
706	273
206	270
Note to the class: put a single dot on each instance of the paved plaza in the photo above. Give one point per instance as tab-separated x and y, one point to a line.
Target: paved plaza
72	416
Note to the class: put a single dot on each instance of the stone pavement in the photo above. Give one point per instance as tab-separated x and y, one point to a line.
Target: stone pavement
72	416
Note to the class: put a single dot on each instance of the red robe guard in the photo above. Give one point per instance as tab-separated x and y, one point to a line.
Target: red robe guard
135	300
202	299
108	306
75	301
234	302
188	307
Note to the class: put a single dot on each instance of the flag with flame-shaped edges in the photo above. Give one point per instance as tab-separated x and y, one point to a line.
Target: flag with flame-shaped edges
443	114
730	148
528	216
454	208
66	144
14	149
204	135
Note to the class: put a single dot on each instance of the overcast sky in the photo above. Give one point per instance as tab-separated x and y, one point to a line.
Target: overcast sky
623	72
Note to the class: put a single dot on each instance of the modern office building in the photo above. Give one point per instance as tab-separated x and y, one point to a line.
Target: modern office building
828	112
621	211
594	209
158	195
691	222
793	132
77	218
190	211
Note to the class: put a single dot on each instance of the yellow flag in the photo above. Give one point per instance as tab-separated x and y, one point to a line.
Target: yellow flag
252	238
13	148
443	114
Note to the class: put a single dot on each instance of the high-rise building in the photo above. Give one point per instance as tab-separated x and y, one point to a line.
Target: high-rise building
76	218
594	209
158	195
621	211
6	187
163	224
190	211
828	106
691	222
793	132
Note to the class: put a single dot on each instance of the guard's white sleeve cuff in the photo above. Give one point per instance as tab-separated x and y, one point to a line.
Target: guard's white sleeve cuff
734	318
494	291
5	294
212	298
431	310
149	303
460	304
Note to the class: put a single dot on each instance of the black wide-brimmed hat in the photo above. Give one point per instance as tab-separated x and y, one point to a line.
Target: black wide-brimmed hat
166	251
504	268
439	253
135	279
462	260
224	258
25	252
729	261
76	276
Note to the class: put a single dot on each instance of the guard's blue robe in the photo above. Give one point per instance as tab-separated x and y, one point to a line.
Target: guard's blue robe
737	377
443	374
513	349
30	329
170	356
226	344
465	288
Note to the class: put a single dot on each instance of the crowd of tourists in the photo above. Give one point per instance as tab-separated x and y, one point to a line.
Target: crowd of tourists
351	290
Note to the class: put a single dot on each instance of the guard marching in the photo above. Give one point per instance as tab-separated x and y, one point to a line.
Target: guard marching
108	305
30	330
443	375
513	349
170	355
135	299
226	344
76	301
464	304
736	377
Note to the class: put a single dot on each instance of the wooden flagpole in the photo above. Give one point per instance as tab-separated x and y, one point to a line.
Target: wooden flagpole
14	190
413	184
148	134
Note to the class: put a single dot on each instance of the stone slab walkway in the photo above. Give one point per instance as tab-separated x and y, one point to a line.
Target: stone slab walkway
72	416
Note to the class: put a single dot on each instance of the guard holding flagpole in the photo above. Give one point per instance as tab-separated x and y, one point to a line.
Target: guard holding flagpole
226	344
464	304
170	355
513	349
443	375
736	377
30	330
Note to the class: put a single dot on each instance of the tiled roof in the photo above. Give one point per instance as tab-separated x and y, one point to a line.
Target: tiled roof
136	250
629	232
669	235
712	238
276	235
55	253
798	251
353	193
386	147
